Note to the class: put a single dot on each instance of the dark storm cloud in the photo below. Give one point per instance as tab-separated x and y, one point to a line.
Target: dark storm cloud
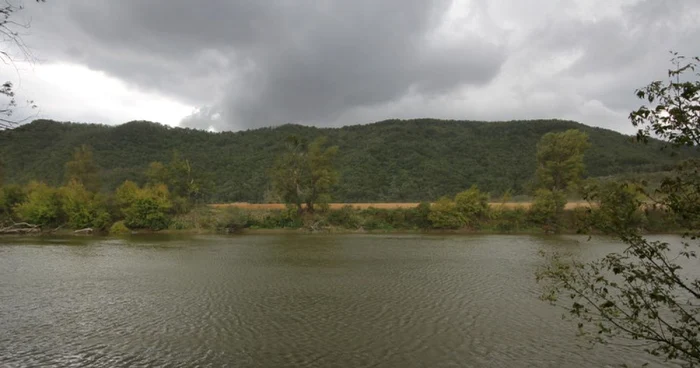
259	63
270	62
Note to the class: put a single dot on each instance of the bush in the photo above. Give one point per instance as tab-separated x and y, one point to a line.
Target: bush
200	217
145	208
274	219
119	228
232	220
345	217
619	206
10	197
444	215
509	219
419	216
473	205
42	206
547	209
83	208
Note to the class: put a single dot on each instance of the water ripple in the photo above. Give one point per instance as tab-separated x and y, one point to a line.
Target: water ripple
284	301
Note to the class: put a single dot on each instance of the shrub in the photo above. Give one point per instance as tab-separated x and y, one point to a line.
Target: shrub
473	205
83	208
119	228
345	217
10	197
232	220
444	215
42	206
547	208
419	216
145	208
509	219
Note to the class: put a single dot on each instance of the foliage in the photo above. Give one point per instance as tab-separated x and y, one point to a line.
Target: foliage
390	161
473	205
547	209
83	208
187	185
617	205
509	219
420	216
82	169
10	197
304	174
232	220
649	293
43	205
144	208
560	159
444	215
345	217
119	228
276	219
674	110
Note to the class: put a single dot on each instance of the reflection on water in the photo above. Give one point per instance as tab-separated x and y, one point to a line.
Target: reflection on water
287	301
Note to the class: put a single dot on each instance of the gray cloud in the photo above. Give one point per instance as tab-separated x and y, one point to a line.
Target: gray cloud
261	63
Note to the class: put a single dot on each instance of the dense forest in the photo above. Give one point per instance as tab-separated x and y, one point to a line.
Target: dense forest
392	161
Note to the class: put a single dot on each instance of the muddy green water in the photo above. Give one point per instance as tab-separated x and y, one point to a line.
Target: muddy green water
288	301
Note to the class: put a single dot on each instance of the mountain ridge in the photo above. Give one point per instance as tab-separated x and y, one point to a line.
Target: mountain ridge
390	160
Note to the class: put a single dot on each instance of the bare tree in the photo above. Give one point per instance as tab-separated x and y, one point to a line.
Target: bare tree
12	48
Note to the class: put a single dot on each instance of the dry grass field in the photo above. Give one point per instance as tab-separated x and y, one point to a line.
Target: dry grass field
278	206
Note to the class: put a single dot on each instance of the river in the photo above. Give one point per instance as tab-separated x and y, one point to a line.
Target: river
289	301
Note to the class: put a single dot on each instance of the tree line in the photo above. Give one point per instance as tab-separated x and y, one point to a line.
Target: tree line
391	161
174	196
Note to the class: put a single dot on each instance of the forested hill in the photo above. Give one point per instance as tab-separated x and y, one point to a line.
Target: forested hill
394	160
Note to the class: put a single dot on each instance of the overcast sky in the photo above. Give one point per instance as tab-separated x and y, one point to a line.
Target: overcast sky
232	65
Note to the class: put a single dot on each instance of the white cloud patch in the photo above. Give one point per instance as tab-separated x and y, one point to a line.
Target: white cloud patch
73	92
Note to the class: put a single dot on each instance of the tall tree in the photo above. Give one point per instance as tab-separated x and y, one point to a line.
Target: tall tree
83	169
559	168
560	159
184	181
304	175
650	293
12	42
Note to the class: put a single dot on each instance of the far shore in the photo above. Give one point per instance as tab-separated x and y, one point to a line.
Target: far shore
382	205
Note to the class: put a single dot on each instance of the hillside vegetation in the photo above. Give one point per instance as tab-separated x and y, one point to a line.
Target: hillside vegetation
393	161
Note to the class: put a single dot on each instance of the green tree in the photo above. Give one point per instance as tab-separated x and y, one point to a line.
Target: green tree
42	206
144	208
187	185
157	173
83	169
473	205
547	209
559	168
10	197
560	159
444	214
127	193
83	208
649	293
616	205
304	175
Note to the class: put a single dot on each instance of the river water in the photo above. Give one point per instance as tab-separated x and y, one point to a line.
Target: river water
289	301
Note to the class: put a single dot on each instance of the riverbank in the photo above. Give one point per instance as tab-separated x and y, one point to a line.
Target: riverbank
420	219
387	205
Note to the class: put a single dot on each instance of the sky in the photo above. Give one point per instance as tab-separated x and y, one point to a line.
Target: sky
234	65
